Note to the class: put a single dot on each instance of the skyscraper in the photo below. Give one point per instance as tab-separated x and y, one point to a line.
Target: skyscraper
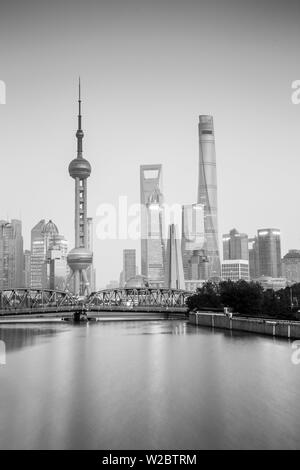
152	224
195	262
207	193
174	276
235	269
58	270
235	245
80	258
11	254
26	266
129	264
253	258
47	247
269	252
291	266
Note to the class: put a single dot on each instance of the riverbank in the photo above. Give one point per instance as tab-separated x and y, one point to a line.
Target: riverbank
277	328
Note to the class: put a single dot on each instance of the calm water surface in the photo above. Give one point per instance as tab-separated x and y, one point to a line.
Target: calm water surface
154	385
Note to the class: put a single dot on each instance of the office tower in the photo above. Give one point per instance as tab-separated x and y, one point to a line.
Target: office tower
207	193
57	271
291	266
174	276
129	264
11	254
26	266
80	258
269	252
235	245
152	224
195	261
253	258
235	269
44	238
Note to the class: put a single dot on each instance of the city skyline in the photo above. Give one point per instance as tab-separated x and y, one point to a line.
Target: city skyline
133	88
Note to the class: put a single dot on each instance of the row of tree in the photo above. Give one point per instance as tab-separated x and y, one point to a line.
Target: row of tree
247	298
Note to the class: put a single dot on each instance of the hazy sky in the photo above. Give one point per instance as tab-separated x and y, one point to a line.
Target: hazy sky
148	69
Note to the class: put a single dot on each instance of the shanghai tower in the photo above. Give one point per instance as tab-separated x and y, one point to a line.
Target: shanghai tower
80	258
207	193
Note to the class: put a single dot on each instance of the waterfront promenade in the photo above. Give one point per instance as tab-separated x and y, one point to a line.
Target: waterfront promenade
270	327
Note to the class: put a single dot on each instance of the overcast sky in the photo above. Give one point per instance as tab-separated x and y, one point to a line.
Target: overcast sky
148	69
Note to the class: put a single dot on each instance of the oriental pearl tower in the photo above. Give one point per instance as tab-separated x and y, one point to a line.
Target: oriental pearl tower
80	258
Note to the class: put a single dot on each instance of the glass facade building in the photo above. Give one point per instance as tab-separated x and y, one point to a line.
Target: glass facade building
234	270
207	193
235	245
129	264
152	224
11	254
291	266
269	252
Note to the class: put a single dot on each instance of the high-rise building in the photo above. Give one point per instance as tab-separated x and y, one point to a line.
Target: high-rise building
80	258
207	193
48	267
235	245
58	270
11	254
235	269
253	258
195	261
129	264
269	252
291	266
174	277
152	224
26	266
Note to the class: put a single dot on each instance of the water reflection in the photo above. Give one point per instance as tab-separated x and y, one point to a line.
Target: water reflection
20	336
138	384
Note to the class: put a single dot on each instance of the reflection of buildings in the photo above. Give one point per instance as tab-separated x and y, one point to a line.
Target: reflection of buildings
269	252
195	262
235	245
207	193
152	224
129	264
291	266
235	269
174	277
48	261
11	254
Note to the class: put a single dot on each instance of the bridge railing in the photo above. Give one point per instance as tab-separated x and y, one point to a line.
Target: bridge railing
20	299
139	297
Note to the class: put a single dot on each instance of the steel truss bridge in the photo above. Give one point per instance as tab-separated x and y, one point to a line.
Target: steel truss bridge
25	301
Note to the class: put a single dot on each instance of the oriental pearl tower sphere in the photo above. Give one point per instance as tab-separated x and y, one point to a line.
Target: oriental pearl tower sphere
80	258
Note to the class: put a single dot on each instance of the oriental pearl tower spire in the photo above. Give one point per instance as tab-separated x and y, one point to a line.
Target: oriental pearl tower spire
80	258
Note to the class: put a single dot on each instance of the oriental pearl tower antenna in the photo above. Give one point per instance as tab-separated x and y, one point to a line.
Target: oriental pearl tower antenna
80	258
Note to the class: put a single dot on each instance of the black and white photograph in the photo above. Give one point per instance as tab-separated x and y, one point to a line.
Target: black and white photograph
149	231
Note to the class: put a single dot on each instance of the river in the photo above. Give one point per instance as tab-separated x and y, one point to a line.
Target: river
146	385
